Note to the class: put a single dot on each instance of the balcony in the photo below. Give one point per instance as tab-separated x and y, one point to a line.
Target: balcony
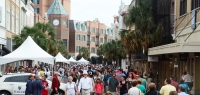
97	33
105	35
88	33
88	42
97	43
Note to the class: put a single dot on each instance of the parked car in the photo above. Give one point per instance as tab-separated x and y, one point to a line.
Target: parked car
15	84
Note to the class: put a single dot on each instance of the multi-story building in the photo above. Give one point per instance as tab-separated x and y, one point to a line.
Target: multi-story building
123	10
12	12
59	19
41	6
90	34
115	27
2	28
183	54
77	36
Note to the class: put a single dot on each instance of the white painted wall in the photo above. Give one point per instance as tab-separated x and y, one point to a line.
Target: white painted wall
2	24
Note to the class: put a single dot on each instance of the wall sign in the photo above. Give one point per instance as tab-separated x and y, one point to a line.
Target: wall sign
18	89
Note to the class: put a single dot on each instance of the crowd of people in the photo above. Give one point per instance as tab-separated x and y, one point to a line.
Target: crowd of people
91	80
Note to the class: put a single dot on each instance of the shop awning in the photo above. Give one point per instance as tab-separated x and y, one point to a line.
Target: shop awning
175	48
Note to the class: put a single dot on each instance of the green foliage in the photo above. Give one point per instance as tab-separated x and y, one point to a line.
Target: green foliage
84	52
145	33
44	35
112	50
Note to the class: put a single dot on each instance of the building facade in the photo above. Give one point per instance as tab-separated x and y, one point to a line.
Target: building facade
183	54
77	37
2	27
59	19
41	6
115	27
89	34
98	33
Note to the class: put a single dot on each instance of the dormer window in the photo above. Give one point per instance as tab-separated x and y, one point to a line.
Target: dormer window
78	26
83	27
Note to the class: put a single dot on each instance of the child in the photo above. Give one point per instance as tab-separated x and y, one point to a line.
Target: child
99	87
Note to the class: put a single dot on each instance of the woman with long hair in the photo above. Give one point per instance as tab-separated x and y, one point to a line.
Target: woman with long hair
130	79
99	87
45	84
123	86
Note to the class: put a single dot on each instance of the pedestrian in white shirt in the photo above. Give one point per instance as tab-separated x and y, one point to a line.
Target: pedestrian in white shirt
134	90
188	79
85	84
71	86
181	90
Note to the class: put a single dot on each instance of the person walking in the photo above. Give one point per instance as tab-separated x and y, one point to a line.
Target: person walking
181	90
134	90
152	89
141	87
99	87
55	83
167	88
188	79
113	85
37	86
29	90
85	84
45	84
123	86
71	86
187	89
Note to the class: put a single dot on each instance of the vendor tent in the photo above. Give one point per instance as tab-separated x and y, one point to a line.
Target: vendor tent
82	60
60	58
28	50
72	60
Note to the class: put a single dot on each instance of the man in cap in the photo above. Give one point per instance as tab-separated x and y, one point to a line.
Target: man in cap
85	84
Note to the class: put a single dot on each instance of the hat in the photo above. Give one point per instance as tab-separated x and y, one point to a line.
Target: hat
85	72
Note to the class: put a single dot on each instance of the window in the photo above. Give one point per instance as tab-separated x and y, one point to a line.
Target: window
8	44
83	27
36	1
93	29
93	50
78	26
183	7
13	21
101	40
17	79
77	48
78	37
37	10
17	23
195	4
8	18
17	2
105	31
101	31
65	42
93	39
83	38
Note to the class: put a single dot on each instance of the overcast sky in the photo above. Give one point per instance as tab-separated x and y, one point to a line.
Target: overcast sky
104	10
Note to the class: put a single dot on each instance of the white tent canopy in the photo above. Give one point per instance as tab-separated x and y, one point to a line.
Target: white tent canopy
28	50
72	59
82	60
59	58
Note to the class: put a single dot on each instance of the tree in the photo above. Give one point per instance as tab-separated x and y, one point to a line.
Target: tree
44	35
83	52
113	50
146	32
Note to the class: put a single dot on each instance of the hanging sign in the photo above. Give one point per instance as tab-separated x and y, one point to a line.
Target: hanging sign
18	89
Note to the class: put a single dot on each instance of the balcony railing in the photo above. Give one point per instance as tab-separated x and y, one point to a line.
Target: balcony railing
88	33
97	33
97	43
88	42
